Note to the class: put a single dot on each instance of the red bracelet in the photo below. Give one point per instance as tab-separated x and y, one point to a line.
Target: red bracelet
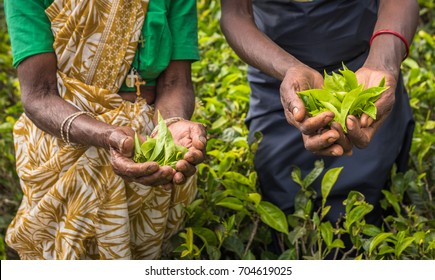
398	35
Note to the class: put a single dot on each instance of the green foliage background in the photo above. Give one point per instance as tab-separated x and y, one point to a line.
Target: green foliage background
229	219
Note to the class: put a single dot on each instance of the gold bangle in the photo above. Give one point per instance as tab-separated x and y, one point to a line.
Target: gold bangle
68	121
168	122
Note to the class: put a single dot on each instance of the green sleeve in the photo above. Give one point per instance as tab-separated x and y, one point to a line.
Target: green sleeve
183	23
28	27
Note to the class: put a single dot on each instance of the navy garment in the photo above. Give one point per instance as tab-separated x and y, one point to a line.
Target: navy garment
322	34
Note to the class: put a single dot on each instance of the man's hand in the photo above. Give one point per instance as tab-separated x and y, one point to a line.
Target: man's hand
121	143
316	136
191	135
361	131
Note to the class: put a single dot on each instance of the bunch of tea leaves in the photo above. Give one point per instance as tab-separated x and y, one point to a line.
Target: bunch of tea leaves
161	149
342	95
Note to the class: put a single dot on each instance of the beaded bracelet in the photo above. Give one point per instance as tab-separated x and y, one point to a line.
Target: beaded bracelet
398	35
168	122
68	121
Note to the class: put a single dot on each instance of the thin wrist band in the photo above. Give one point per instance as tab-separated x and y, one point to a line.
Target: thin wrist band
168	122
64	133
398	35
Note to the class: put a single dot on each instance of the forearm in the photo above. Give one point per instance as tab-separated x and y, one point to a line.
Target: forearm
175	94
47	110
250	44
388	50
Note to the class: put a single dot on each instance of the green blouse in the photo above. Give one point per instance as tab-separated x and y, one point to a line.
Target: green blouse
170	33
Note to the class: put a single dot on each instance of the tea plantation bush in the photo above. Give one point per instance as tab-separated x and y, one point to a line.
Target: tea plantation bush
229	219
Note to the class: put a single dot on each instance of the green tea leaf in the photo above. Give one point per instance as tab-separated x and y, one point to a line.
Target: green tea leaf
371	110
337	243
297	177
342	95
161	149
272	216
138	156
231	203
348	101
328	182
249	256
357	214
158	154
180	151
297	233
312	176
289	254
332	108
378	239
137	144
148	147
325	210
325	96
309	101
255	197
385	249
371	230
206	235
401	246
382	82
327	232
350	77
334	82
170	150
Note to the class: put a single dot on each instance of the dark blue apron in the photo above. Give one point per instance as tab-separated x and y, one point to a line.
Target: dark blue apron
322	34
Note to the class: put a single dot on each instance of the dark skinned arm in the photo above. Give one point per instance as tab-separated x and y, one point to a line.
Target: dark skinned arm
384	60
256	49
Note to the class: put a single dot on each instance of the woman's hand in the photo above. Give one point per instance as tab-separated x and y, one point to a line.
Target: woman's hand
361	131
191	135
316	136
121	144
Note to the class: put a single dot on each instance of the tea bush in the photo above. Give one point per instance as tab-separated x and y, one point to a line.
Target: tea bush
229	219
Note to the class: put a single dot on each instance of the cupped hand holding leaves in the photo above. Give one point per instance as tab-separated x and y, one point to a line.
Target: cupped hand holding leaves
350	99
362	130
191	135
121	143
318	137
181	146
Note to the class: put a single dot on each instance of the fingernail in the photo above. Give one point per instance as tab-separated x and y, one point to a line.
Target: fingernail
333	153
203	139
152	168
295	110
351	124
331	140
328	119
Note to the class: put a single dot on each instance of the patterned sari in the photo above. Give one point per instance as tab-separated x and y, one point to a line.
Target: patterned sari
74	206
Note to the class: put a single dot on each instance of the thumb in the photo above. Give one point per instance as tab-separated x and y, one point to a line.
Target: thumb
295	105
199	140
122	143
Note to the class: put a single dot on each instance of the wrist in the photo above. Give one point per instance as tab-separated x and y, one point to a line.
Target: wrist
292	66
168	122
103	140
387	52
91	132
393	33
